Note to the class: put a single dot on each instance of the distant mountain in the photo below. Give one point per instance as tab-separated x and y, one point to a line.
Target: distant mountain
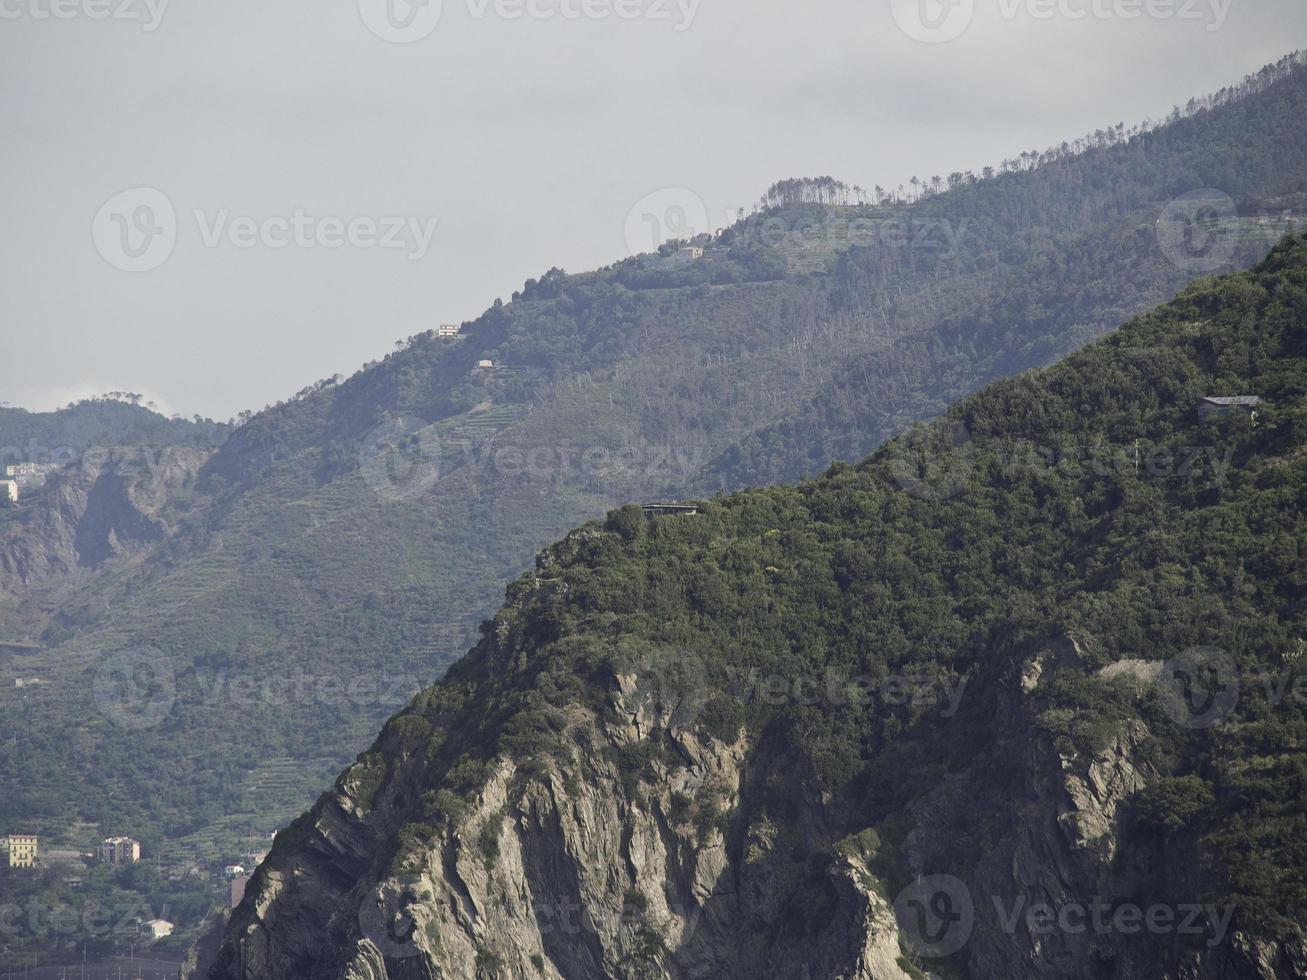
338	551
97	423
992	703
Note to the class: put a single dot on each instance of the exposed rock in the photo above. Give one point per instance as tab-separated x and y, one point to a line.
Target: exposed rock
110	504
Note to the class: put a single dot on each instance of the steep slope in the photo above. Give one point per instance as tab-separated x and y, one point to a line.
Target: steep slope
341	548
990	703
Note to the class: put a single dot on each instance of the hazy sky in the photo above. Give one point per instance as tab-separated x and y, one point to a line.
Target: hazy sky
276	142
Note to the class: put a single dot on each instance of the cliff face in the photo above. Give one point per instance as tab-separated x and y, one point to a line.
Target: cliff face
1010	704
110	504
572	868
569	869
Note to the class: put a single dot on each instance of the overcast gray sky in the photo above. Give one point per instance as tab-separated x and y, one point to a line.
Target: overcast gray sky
526	130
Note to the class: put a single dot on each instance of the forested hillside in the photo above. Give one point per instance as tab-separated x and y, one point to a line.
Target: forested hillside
1041	656
339	550
98	423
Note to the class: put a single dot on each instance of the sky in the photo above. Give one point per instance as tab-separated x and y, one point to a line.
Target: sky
218	203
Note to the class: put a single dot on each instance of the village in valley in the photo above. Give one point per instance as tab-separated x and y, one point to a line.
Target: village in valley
67	902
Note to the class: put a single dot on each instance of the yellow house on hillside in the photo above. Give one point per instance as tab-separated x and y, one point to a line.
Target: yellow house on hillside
22	850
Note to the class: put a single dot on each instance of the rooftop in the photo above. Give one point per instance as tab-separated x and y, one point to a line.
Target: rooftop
1233	400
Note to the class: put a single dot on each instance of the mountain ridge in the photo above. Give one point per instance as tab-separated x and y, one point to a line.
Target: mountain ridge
357	532
727	740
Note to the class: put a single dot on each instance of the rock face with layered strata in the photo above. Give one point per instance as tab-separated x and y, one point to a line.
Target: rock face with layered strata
572	866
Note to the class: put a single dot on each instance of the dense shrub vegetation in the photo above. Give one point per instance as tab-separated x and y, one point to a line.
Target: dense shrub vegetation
934	569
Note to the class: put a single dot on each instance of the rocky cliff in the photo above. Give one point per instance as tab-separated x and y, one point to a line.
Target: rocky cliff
109	504
1009	699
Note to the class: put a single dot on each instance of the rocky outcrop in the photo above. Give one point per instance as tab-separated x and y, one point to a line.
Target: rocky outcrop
581	863
637	844
572	867
110	504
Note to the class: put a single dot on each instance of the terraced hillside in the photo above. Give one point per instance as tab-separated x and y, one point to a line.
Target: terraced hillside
339	550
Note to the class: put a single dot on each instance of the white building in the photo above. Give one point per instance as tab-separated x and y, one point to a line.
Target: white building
29	476
157	929
120	850
9	490
447	330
